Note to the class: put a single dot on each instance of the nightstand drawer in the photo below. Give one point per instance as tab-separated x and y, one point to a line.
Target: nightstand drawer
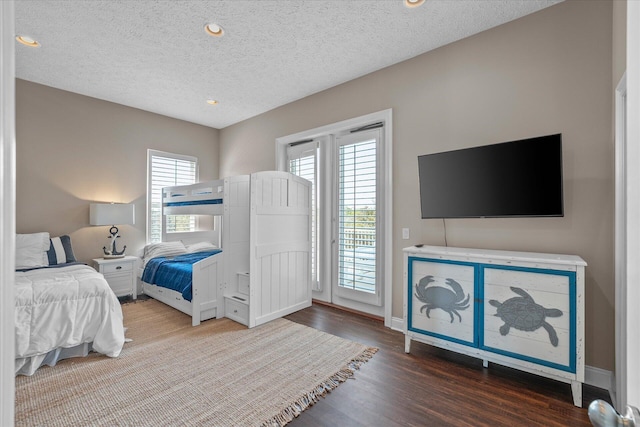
236	310
119	267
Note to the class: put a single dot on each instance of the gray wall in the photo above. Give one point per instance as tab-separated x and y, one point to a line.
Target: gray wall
619	40
549	72
72	150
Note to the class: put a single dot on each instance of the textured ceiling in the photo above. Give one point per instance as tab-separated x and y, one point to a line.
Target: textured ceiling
156	56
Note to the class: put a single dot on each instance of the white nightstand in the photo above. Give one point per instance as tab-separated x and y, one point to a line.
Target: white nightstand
120	274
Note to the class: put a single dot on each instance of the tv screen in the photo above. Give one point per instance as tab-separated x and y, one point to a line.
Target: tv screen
512	179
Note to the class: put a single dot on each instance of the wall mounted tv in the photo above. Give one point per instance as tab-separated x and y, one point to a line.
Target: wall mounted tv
512	179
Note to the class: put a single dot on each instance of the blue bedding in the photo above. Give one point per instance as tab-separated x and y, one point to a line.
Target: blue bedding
195	203
174	272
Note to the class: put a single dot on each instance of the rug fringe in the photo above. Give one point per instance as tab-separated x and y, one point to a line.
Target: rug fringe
292	411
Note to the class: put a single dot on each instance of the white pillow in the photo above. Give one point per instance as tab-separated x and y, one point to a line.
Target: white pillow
166	249
31	250
201	247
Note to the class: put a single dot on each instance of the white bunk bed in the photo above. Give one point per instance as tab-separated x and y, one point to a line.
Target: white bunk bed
263	225
207	278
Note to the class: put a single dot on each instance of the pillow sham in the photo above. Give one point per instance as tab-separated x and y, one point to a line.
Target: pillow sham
165	249
61	251
31	250
201	247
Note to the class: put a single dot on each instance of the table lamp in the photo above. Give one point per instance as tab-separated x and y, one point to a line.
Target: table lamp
112	214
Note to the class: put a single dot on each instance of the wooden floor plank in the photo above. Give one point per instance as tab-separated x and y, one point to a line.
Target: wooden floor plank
433	387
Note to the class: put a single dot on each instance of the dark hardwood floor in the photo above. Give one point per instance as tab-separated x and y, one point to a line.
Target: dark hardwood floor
433	387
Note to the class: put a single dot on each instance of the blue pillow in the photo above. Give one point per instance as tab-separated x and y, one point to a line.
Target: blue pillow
60	251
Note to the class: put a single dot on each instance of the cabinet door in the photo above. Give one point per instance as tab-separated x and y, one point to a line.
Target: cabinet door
121	284
529	314
441	298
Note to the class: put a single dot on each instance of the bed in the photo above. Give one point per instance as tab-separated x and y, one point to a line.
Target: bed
201	295
186	277
62	308
261	223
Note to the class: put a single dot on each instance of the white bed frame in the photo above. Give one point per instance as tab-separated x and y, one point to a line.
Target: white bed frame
207	287
264	229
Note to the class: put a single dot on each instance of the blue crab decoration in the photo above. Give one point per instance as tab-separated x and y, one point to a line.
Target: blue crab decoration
448	300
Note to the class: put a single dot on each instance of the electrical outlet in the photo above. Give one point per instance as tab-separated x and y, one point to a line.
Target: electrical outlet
405	233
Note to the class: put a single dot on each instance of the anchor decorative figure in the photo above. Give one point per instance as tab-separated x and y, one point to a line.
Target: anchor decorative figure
114	253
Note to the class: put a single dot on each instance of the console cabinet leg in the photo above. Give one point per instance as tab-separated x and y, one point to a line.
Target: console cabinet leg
407	344
576	389
485	363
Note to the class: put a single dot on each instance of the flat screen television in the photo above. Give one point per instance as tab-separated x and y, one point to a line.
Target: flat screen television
512	179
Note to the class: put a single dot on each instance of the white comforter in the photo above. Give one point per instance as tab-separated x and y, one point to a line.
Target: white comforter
66	307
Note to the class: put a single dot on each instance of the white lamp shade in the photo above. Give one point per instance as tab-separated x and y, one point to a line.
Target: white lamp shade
111	213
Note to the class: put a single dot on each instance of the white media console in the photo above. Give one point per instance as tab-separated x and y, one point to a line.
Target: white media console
517	309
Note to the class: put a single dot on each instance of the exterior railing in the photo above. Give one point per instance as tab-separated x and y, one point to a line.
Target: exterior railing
359	237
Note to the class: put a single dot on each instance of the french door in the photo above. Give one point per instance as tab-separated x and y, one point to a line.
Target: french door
356	218
303	161
347	230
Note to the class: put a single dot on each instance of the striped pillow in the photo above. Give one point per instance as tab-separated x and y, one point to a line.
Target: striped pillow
60	251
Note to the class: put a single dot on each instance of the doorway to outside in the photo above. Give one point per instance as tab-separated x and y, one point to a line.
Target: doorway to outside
349	165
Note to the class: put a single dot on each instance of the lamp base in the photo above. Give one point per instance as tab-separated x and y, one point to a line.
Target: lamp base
113	253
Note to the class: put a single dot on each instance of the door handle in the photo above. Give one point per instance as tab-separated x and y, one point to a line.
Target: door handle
602	414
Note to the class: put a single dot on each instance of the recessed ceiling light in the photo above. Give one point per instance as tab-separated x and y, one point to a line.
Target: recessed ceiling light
214	30
413	3
212	102
27	41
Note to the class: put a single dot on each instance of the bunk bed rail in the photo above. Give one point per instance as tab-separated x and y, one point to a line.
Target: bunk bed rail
203	198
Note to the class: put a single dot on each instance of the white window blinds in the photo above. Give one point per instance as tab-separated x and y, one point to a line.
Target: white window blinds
165	170
357	213
303	162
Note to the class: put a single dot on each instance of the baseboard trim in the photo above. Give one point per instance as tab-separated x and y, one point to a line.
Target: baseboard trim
350	310
596	377
397	324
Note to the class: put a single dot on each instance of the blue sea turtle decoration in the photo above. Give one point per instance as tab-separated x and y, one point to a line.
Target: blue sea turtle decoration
449	300
525	314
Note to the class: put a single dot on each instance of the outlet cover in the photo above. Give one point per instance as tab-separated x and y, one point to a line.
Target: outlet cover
405	233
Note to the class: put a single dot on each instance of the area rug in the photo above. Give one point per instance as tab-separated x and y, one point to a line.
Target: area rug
215	374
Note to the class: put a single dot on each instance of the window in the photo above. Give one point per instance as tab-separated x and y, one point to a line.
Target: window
354	213
165	170
303	161
352	169
357	212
